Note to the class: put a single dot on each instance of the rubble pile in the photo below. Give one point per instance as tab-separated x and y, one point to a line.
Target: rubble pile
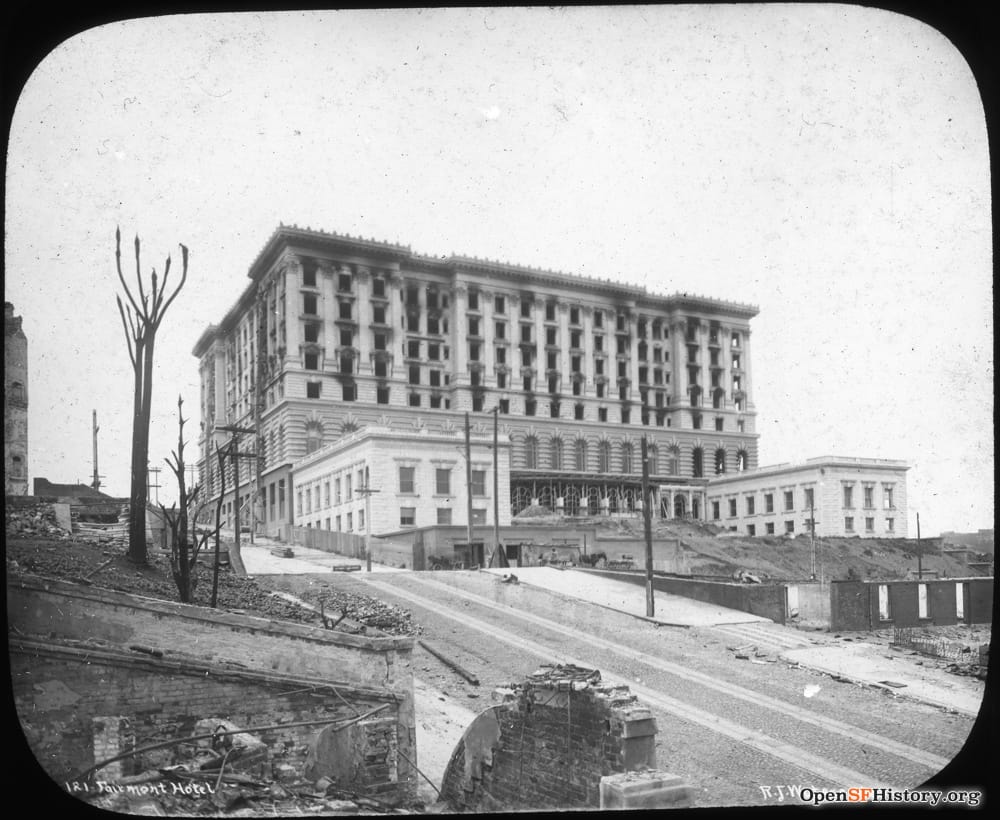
35	520
89	527
83	561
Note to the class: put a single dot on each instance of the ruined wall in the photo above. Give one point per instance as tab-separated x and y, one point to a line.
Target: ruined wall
82	705
766	600
854	604
549	744
197	644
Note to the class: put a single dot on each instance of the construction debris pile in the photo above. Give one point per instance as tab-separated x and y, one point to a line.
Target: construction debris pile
37	520
223	769
92	525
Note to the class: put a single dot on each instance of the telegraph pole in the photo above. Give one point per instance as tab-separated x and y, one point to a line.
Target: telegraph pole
920	560
812	534
96	484
367	491
468	482
647	514
496	479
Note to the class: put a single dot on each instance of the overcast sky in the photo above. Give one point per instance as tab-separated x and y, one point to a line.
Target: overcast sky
827	163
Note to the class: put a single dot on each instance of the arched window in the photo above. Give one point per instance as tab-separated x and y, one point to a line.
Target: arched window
741	460
674	460
653	458
557	453
531	453
718	395
314	436
627	453
17	466
697	457
581	455
604	457
720	461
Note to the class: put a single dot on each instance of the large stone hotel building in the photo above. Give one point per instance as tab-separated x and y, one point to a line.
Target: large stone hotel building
334	335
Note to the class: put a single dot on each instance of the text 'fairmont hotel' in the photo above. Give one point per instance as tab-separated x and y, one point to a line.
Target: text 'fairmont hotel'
336	334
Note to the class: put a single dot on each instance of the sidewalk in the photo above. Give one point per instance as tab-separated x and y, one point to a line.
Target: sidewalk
258	560
672	610
874	665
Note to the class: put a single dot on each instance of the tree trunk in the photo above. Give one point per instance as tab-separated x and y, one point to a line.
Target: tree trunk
139	489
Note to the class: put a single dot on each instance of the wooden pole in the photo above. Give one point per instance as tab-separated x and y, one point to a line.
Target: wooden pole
468	482
648	527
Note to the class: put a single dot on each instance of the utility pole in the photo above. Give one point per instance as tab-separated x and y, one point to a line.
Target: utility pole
496	479
812	533
367	491
920	560
647	514
96	484
468	482
236	455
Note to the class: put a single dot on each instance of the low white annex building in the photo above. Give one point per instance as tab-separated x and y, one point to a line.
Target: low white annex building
418	478
844	496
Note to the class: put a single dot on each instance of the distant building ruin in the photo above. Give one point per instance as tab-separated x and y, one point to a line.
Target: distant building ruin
15	404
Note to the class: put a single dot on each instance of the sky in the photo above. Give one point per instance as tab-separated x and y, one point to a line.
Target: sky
828	164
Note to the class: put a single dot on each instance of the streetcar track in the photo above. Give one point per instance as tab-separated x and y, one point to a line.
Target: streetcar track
854	733
827	770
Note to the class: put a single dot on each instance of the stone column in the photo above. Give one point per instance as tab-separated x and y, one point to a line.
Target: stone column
678	356
562	337
363	287
293	308
589	388
460	332
745	359
633	359
395	318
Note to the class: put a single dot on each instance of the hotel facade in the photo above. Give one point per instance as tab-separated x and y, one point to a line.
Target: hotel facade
335	334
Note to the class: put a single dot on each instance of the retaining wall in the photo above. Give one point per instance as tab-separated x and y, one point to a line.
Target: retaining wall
210	664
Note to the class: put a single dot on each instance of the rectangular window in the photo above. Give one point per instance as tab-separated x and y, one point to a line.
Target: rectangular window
887	497
298	503
382	395
789	526
444	515
339	527
849	524
732	507
313	390
478	481
326	495
890	524
498	304
361	520
350	522
769	528
407	516
443	481
715	510
406	476
312	361
789	500
309	304
751	530
769	502
808	500
869	497
473	327
848	496
525	309
869	525
336	491
750	505
501	331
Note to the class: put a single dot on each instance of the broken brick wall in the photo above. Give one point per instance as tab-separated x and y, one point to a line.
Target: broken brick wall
549	745
203	642
79	706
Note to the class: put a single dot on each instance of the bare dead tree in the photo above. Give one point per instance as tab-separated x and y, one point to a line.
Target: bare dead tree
183	552
141	320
